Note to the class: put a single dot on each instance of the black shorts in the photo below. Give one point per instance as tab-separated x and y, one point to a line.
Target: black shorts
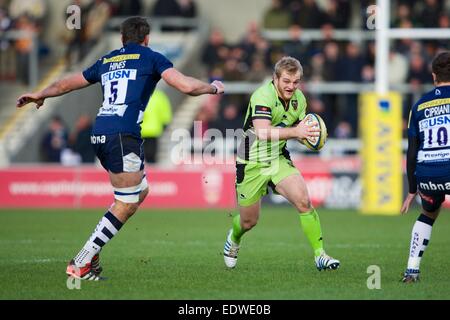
120	152
432	191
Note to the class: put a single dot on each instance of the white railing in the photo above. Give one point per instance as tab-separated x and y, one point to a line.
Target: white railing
222	148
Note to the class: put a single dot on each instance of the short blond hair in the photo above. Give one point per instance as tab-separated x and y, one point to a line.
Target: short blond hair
288	64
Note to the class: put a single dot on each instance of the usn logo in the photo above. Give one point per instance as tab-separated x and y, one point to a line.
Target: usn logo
433	122
129	74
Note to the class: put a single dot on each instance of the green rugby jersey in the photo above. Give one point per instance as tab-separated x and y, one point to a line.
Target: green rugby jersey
265	104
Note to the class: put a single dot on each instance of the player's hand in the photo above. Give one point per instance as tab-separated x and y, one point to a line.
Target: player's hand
409	198
219	86
28	98
305	131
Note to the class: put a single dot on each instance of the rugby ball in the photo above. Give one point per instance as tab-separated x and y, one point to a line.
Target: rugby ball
315	143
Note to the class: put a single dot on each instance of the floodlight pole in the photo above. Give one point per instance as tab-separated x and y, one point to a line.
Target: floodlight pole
382	47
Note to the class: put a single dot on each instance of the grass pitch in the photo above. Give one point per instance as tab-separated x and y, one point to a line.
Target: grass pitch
178	255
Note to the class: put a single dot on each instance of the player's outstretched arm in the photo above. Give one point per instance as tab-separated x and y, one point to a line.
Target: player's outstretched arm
265	131
58	88
189	85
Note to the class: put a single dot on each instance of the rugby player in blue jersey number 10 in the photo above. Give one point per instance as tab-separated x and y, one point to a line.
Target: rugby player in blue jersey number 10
128	77
428	160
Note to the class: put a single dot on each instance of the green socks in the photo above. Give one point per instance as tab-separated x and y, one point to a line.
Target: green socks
310	223
237	230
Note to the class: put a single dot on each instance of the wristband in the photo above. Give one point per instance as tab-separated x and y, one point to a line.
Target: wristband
215	89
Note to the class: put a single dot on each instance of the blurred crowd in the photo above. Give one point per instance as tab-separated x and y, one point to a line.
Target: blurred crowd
59	145
28	17
252	58
249	59
32	16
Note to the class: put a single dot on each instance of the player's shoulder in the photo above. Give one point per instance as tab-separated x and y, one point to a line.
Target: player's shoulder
265	92
433	97
298	95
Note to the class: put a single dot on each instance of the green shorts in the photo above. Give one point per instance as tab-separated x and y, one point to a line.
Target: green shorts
252	179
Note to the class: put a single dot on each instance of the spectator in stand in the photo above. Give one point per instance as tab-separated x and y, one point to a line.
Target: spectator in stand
7	57
403	15
351	64
344	130
97	17
444	23
76	39
23	47
188	8
258	71
308	15
316	68
229	118
297	48
418	71
249	42
368	74
35	9
80	139
233	70
54	141
216	73
207	114
216	50
166	8
429	15
404	45
350	69
398	68
337	14
331	66
330	73
276	17
127	8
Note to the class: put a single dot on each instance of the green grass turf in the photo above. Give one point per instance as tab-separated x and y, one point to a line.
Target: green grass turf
177	255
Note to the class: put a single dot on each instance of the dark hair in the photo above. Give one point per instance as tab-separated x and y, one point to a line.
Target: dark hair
441	67
134	30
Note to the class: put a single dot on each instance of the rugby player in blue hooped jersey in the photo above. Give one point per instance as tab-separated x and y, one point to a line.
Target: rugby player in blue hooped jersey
128	77
428	160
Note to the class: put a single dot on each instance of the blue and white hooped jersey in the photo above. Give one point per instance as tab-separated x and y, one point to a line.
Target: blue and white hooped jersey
128	77
429	120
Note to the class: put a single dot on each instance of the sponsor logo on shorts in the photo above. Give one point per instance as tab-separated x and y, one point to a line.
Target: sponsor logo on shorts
434	186
98	139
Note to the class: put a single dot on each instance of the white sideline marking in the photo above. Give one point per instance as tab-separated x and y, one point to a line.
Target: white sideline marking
29	261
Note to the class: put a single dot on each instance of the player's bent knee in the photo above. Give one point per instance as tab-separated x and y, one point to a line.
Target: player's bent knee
143	195
248	224
303	206
127	209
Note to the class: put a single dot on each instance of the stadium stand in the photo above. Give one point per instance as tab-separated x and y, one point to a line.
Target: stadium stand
336	50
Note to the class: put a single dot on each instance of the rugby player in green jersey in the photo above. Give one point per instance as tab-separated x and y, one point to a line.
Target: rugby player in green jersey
274	115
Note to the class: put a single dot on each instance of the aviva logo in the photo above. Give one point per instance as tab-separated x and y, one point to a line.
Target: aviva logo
122	57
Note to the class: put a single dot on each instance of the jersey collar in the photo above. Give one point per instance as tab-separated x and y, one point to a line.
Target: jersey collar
284	103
